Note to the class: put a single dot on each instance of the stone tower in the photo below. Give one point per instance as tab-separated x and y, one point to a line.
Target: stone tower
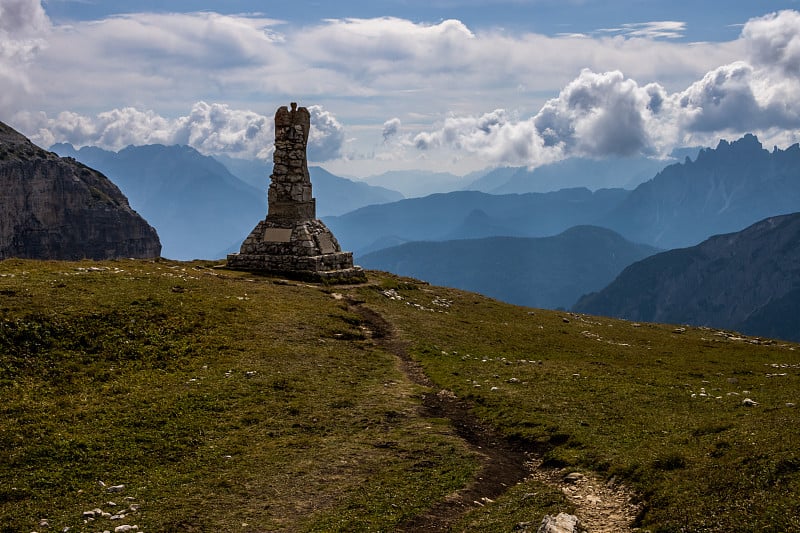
290	241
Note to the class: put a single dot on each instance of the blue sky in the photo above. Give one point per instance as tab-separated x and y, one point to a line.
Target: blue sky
713	21
448	85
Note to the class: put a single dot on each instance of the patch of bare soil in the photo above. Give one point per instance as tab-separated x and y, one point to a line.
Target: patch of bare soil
601	507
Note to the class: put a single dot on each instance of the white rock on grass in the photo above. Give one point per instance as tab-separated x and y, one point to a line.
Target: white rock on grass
747	402
563	523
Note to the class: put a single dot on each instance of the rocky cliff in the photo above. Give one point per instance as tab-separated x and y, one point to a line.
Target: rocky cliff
748	281
57	208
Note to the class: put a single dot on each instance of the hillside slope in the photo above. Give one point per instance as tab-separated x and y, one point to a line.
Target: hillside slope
546	272
748	281
56	208
209	400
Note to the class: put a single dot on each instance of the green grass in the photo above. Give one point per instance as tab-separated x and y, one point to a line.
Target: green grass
228	402
218	400
652	405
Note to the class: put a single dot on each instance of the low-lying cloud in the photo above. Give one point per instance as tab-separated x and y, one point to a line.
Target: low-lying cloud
209	128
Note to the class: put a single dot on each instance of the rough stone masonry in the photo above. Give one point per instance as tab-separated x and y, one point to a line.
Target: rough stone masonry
290	241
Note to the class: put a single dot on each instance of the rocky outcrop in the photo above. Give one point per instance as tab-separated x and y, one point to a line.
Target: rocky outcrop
57	208
562	523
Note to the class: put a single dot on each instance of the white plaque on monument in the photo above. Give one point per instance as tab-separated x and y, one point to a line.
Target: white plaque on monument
325	244
278	235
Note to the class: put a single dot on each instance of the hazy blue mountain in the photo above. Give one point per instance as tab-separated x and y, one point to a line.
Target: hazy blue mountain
747	281
723	190
547	272
418	183
494	179
614	172
335	195
443	216
197	206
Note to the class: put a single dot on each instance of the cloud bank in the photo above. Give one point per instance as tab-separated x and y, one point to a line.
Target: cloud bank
457	93
209	128
608	114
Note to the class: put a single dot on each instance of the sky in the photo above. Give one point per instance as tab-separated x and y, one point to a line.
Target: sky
440	85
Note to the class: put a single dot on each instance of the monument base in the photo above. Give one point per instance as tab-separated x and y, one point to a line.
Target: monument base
305	250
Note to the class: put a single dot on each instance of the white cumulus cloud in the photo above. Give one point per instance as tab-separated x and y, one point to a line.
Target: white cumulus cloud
390	128
23	29
209	128
600	114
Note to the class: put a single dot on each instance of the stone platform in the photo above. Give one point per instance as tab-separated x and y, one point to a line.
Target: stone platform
304	250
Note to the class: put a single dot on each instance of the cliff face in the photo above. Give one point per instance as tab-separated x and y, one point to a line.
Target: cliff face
57	208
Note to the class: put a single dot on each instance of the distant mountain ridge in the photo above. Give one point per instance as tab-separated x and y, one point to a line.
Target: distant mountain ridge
724	190
199	208
335	195
624	173
747	281
451	215
548	272
57	208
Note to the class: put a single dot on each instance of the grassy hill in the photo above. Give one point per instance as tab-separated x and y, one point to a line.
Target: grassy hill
223	401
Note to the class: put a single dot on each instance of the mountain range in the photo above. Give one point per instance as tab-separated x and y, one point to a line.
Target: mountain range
747	281
547	272
469	214
335	195
724	190
57	208
200	208
613	172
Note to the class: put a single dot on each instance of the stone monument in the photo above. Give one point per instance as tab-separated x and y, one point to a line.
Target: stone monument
290	241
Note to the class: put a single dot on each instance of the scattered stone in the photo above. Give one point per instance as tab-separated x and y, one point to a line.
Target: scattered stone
747	402
116	488
573	477
125	528
679	330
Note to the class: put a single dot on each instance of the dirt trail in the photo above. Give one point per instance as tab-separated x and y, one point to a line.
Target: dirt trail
601	507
